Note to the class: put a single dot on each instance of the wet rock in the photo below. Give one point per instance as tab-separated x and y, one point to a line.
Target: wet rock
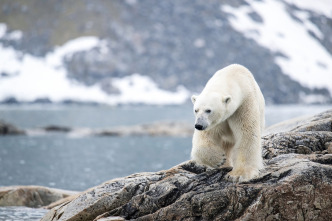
31	196
296	184
9	129
55	128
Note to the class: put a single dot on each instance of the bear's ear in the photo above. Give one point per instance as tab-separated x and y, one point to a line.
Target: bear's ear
227	99
193	98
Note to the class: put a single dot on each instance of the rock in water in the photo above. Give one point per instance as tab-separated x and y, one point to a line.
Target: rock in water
31	196
9	129
295	185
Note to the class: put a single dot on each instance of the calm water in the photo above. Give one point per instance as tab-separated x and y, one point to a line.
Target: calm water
77	164
60	161
31	116
21	214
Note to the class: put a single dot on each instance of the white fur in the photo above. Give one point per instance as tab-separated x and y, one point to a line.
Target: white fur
230	111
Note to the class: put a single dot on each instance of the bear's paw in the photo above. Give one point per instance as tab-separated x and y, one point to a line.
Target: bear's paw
242	174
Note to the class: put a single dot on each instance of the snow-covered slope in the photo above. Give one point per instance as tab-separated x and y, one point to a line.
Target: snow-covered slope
301	55
28	78
285	43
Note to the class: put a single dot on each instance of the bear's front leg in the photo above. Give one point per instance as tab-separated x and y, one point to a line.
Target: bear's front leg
247	150
205	151
247	161
208	155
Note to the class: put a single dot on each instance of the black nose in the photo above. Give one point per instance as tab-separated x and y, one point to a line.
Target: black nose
198	127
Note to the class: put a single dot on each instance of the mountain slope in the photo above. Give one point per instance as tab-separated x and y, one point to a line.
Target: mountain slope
174	47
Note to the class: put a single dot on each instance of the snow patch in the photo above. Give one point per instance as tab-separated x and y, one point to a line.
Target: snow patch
36	79
141	89
199	43
313	99
28	78
12	61
15	35
79	44
321	6
305	59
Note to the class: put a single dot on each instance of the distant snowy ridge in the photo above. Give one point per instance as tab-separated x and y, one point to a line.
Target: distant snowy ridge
302	56
28	78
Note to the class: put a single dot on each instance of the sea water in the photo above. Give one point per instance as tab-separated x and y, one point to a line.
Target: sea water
17	213
78	163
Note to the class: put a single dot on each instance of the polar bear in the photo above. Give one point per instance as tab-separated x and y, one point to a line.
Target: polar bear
229	122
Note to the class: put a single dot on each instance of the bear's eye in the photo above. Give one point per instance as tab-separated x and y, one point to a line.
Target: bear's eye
208	111
196	110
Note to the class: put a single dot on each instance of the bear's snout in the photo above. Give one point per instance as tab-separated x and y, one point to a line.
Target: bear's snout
199	127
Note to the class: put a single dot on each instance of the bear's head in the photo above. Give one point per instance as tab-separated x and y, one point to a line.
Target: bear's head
210	110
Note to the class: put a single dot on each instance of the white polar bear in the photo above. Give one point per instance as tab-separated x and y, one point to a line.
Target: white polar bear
229	122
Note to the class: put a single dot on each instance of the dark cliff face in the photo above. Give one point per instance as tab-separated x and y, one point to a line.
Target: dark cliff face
173	42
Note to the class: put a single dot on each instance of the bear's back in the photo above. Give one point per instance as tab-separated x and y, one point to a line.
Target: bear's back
231	78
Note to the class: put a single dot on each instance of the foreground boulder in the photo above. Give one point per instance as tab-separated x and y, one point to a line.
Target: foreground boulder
295	185
31	196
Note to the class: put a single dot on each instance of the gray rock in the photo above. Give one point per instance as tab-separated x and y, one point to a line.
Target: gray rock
295	185
31	196
319	122
305	136
55	128
9	129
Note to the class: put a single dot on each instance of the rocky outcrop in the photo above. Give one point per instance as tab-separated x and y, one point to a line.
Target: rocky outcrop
31	196
296	184
9	129
54	128
311	135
